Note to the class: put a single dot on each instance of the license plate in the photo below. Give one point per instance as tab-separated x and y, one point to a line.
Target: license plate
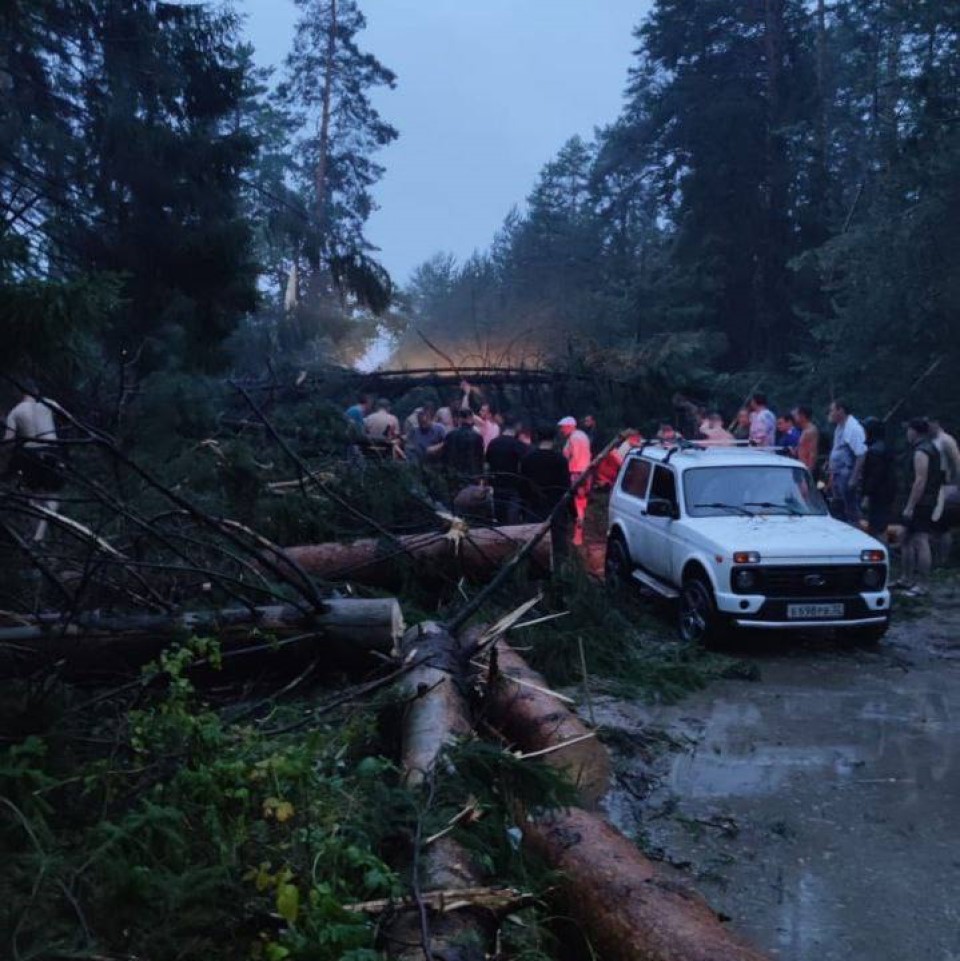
811	612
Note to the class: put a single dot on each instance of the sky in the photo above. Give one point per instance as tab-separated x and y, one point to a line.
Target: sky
487	92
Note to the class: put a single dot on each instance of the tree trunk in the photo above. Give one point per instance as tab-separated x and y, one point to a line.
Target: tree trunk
324	140
523	709
436	714
478	555
628	912
109	644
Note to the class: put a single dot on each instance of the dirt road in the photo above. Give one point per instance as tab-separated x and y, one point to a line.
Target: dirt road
820	806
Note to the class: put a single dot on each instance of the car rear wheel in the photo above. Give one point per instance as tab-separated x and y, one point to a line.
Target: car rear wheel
699	622
617	565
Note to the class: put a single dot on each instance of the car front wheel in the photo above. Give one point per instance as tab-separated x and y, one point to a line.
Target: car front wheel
616	565
699	621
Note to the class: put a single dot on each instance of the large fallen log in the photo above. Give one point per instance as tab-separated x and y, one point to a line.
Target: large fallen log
111	643
526	712
436	714
478	554
622	903
629	911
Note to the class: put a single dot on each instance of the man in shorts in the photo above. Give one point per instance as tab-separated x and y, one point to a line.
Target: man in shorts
35	463
576	450
918	510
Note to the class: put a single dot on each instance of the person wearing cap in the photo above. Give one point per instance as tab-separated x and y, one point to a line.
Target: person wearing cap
576	450
918	510
846	462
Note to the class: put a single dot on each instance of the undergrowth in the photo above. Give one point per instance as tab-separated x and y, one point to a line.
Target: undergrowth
627	650
155	828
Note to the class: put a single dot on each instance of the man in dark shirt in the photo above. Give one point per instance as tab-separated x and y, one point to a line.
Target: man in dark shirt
545	478
463	448
918	511
504	454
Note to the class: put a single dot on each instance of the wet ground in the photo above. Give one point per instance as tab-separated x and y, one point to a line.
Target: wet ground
819	807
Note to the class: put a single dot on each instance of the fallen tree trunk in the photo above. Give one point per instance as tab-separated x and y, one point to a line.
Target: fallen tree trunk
477	554
114	642
435	715
526	712
618	897
626	908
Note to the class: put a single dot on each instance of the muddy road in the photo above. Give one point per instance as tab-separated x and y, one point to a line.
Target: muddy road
819	807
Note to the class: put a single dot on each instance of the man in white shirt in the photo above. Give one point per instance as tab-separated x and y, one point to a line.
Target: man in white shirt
763	423
35	462
381	424
846	461
485	425
576	449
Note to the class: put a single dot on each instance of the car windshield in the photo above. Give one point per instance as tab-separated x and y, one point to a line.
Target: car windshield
751	489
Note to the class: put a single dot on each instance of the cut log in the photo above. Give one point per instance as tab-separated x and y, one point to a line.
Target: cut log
626	908
618	897
112	643
526	712
477	554
435	715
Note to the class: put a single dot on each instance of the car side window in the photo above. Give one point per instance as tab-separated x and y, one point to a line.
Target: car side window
664	485
636	477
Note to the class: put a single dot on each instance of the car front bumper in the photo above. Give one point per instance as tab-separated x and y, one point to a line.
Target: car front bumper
770	613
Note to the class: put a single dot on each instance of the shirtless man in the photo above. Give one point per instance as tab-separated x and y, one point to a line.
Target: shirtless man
30	428
946	445
808	447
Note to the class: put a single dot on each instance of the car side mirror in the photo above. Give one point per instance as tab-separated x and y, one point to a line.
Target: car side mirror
661	507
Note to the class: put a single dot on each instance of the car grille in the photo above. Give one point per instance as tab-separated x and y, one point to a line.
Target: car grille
814	581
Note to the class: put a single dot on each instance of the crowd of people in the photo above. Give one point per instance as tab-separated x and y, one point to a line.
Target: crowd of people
513	472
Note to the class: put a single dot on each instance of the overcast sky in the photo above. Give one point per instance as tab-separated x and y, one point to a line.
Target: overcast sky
487	92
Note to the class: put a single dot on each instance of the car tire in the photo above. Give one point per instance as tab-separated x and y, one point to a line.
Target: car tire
698	620
869	634
617	565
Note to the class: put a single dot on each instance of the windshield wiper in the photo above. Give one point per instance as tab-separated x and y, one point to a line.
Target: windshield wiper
768	506
726	507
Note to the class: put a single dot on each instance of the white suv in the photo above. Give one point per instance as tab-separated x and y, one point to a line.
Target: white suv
741	537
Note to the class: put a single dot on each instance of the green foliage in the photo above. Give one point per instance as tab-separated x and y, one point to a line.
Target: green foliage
627	650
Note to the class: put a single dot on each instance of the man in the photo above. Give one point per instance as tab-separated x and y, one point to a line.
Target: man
808	447
763	425
485	425
741	426
714	431
576	449
545	478
788	434
879	478
356	413
846	462
462	450
666	433
447	415
918	511
946	445
589	426
426	439
381	424
503	461
35	462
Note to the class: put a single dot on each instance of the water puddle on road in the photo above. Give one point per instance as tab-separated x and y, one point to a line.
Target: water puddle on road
818	808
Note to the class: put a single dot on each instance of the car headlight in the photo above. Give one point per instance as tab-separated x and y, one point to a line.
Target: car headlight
745	580
873	578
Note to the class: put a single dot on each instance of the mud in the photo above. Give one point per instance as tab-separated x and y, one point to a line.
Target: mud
818	808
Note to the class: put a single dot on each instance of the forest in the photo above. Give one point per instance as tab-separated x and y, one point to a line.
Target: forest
198	757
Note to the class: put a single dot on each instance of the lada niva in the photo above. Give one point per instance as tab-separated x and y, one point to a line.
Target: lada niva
741	538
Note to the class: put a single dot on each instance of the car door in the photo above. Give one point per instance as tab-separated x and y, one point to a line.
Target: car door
632	503
658	536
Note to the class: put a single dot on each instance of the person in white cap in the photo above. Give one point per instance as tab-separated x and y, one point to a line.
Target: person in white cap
576	449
